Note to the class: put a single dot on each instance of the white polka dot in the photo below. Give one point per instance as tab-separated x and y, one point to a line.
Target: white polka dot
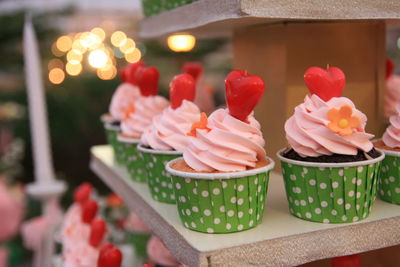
164	184
386	181
359	181
240	214
344	218
250	199
256	181
182	199
258	217
204	193
290	165
172	196
310	199
340	201
210	230
195	191
360	168
164	195
341	172
325	220
240	227
233	200
358	207
217	221
308	215
298	214
240	201
334	212
187	212
358	195
322	185
293	177
364	215
231	213
389	193
251	223
156	189
259	189
391	179
250	211
222	208
187	180
335	184
201	220
195	209
216	191
228	226
347	206
296	202
186	224
318	211
324	204
397	190
303	202
351	193
193	224
207	212
355	218
178	186
170	186
354	180
312	182
305	170
224	184
240	188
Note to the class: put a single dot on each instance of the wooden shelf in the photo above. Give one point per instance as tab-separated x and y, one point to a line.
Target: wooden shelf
280	240
211	18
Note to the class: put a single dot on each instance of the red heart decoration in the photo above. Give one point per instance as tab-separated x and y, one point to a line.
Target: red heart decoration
109	256
131	72
89	211
82	193
243	92
325	83
98	228
147	80
181	87
347	261
194	69
389	68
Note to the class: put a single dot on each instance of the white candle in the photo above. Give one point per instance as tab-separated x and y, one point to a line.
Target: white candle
44	172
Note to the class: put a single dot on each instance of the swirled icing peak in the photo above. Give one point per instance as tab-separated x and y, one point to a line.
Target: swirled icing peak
324	128
225	144
391	137
168	131
125	96
145	109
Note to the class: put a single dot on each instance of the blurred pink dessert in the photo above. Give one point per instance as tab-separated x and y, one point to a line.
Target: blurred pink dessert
160	254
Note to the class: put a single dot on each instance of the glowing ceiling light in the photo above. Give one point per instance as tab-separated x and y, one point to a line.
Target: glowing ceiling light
118	38
64	43
98	58
56	76
181	42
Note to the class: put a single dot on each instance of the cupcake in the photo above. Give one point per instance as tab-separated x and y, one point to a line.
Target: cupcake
331	167
392	90
221	182
123	98
167	136
389	179
139	117
139	233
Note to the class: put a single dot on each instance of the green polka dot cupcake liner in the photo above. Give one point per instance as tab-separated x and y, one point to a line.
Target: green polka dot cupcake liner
133	159
112	132
139	242
221	202
158	179
330	192
389	178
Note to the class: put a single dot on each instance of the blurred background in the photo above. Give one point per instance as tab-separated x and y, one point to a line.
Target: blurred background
83	43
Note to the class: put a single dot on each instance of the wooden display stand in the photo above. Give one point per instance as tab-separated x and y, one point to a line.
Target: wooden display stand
280	53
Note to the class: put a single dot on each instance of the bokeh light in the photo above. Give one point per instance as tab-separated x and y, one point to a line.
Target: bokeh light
55	63
56	76
98	58
128	46
99	32
108	74
56	51
118	38
181	42
64	43
134	56
73	69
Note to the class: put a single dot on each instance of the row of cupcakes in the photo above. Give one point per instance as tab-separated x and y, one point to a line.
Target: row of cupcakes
330	170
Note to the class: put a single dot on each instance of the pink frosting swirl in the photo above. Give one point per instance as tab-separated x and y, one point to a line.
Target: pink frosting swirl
392	95
231	145
391	137
73	230
134	223
82	255
145	109
125	96
309	136
159	253
169	130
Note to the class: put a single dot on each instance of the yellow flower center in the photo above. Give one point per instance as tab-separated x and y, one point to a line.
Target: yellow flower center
343	123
